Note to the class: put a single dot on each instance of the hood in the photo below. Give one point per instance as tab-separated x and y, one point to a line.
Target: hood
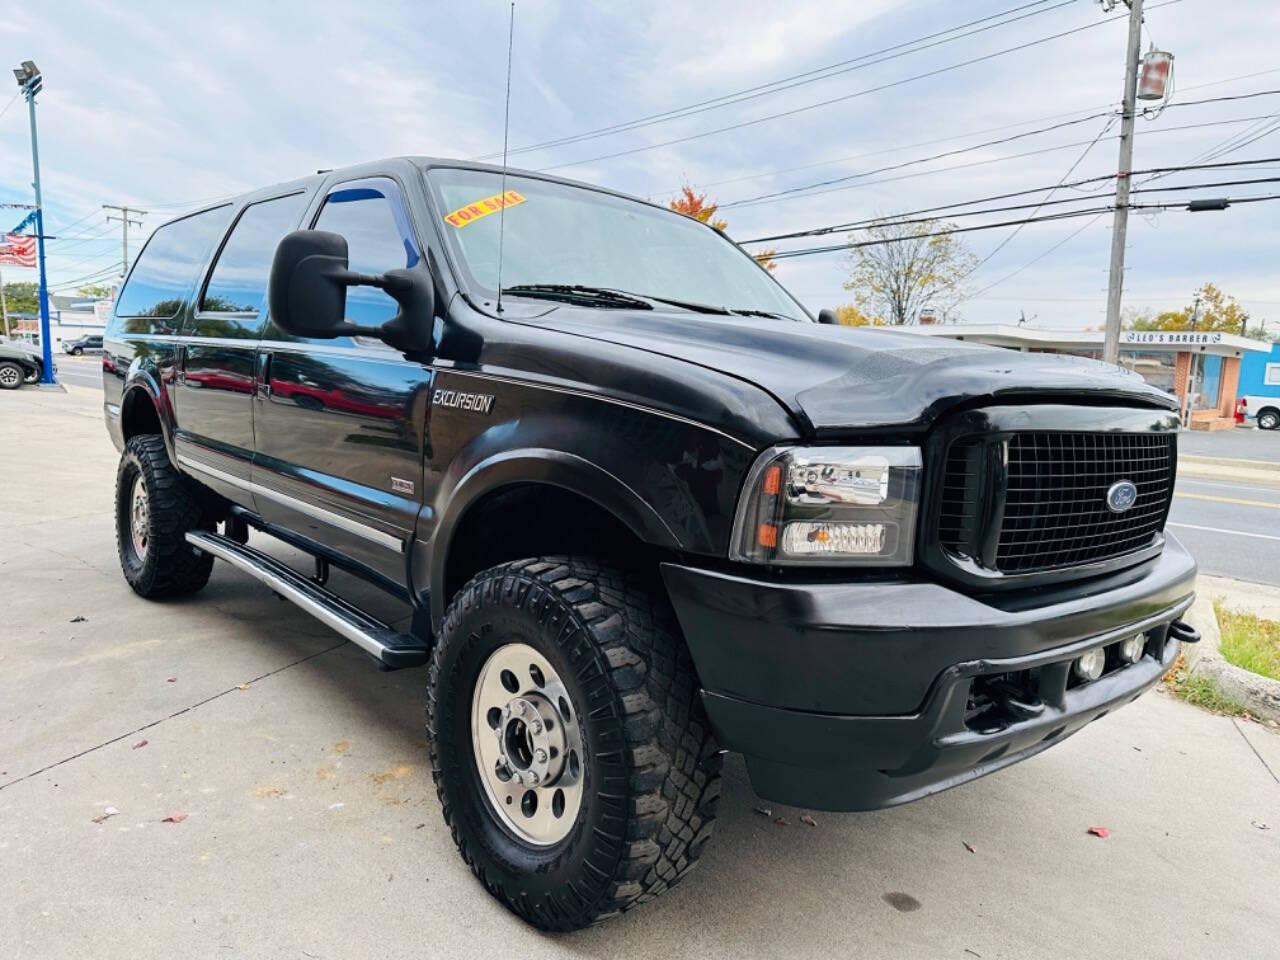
836	379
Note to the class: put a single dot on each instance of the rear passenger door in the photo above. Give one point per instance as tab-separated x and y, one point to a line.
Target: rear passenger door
217	356
340	423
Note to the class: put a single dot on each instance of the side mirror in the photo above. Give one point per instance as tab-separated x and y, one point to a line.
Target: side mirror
307	293
828	316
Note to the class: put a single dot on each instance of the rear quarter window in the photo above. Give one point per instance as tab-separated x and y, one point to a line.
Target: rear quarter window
165	273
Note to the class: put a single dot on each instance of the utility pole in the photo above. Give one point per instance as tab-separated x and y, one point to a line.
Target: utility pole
1120	226
124	231
30	82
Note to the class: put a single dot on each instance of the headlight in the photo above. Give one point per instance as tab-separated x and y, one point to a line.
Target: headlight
829	505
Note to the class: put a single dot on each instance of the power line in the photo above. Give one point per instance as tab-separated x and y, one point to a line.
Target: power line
1065	215
848	96
806	191
789	82
1070	170
900	218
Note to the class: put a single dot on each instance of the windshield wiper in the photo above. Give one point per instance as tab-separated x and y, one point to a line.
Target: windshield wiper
611	295
577	293
750	312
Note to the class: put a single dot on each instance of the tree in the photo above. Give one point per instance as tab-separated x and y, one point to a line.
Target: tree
906	270
22	297
1211	311
697	206
98	292
851	316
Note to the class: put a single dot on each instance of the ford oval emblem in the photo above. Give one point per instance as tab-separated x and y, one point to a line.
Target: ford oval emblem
1121	495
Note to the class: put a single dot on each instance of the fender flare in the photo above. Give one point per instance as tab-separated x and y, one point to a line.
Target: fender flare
534	466
142	380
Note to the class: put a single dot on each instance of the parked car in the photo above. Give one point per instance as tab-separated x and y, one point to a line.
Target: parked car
18	365
643	508
86	344
1264	410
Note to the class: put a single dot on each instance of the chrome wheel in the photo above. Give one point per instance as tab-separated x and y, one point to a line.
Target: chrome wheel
139	517
1268	420
527	744
10	377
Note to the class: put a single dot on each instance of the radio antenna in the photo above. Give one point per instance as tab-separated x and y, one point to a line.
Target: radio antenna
506	123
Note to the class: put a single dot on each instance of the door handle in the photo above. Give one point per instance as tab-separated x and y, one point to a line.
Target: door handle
264	377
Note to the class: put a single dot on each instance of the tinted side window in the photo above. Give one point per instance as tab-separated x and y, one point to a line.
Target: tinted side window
168	266
375	228
238	283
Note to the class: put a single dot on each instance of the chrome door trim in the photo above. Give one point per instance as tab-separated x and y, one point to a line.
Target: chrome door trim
364	531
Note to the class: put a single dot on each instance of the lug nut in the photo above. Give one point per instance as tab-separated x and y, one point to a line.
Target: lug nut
519	778
533	777
520	707
540	755
535	726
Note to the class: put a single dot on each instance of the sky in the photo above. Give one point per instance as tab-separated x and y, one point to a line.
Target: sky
163	105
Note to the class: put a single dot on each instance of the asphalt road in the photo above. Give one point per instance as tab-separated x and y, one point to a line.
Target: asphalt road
1233	529
80	371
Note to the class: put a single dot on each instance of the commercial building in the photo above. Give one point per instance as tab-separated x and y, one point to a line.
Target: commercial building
1201	369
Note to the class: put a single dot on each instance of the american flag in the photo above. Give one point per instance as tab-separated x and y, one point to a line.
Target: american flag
18	249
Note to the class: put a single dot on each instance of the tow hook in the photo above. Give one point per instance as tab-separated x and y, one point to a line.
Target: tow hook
1184	632
1014	701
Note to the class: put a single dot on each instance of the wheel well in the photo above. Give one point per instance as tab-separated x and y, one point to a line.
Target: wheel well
1268	409
138	415
531	520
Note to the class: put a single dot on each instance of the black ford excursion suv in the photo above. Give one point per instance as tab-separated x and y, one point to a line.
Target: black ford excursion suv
644	509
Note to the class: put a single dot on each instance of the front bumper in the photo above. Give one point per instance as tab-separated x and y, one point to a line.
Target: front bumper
855	696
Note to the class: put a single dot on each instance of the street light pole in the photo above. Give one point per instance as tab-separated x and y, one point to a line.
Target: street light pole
1120	227
31	83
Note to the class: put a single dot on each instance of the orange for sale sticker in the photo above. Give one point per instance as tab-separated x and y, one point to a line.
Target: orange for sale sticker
482	208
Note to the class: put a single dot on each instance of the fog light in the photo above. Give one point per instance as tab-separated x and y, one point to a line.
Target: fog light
1131	650
1089	666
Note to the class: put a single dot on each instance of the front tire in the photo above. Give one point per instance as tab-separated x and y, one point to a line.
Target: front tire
155	507
12	376
77	352
627	766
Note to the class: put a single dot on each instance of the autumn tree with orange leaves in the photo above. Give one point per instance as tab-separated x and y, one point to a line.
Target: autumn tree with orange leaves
695	205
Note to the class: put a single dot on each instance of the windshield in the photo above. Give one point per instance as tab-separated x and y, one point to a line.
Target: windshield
557	234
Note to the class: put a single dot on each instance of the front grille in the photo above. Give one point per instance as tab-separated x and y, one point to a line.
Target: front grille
1050	498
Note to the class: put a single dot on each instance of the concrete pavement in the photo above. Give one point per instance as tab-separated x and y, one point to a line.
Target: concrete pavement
313	831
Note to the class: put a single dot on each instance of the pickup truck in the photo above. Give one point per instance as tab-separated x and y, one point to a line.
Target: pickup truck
644	508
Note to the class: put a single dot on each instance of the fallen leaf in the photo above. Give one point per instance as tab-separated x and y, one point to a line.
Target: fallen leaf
140	743
764	811
242	686
1102	832
1260	825
1139	749
174	818
782	821
78	619
172	680
968	846
419	826
107	814
805	818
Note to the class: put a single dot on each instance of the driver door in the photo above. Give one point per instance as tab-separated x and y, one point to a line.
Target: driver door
340	423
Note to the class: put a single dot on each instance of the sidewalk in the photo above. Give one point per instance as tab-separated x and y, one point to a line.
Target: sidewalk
1261	472
313	828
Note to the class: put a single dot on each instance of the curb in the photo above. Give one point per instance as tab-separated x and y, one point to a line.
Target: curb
1259	695
1239	471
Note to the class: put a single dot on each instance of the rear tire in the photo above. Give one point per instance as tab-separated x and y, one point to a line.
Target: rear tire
155	507
1268	419
12	376
648	780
